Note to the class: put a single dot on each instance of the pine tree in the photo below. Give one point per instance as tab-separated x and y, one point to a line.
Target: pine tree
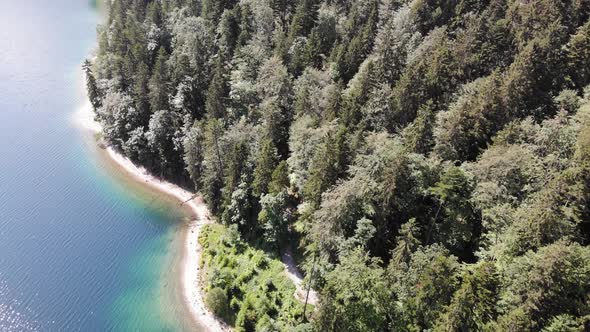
155	13
141	94
193	146
282	9
265	164
313	50
228	31
158	84
406	243
303	19
246	28
435	286
578	53
235	168
327	166
93	92
280	178
474	303
213	173
455	213
212	9
418	135
216	94
350	57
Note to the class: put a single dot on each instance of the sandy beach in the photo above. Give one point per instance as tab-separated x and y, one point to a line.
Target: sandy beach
193	294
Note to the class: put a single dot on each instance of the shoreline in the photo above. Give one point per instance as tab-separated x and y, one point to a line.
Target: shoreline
190	262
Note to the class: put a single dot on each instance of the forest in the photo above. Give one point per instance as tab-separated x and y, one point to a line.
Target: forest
428	161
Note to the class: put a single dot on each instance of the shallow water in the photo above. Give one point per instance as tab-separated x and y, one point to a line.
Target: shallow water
81	248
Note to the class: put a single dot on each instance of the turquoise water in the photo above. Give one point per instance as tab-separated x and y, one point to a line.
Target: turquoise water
81	248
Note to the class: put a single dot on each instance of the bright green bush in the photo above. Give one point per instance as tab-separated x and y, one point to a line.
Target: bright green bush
249	288
216	301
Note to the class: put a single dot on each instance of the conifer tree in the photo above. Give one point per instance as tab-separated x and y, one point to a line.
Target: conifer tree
213	173
266	162
328	165
217	93
246	28
158	84
303	19
93	93
429	160
141	93
280	178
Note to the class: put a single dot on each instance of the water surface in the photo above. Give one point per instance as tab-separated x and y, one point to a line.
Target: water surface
81	248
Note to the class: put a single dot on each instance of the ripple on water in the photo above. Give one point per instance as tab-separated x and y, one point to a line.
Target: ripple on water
12	317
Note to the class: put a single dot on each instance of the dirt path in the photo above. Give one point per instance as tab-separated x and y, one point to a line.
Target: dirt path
296	277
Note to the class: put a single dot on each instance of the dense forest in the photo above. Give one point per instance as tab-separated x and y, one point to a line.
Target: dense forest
428	161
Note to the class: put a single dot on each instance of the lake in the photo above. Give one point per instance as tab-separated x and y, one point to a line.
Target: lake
82	248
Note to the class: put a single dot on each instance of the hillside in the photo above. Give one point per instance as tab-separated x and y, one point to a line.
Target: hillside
428	160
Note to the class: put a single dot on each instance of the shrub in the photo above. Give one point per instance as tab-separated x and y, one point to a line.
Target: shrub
216	301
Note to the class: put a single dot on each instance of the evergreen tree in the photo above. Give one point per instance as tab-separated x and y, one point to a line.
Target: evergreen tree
141	93
91	88
228	31
158	84
216	94
579	55
282	9
303	19
435	287
406	243
418	135
280	178
327	166
454	218
193	153
358	299
274	217
246	28
426	161
265	164
213	173
161	138
474	304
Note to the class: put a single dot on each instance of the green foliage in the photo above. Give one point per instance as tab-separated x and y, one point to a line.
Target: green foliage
158	85
418	135
407	242
350	55
434	289
280	178
193	153
578	55
91	87
162	138
548	283
356	296
474	303
327	165
214	105
563	323
118	113
265	164
428	160
216	301
247	283
213	175
303	18
274	218
458	223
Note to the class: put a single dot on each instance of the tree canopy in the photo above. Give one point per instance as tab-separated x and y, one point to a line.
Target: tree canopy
426	161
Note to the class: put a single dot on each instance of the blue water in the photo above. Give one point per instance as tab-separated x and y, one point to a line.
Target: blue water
81	249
